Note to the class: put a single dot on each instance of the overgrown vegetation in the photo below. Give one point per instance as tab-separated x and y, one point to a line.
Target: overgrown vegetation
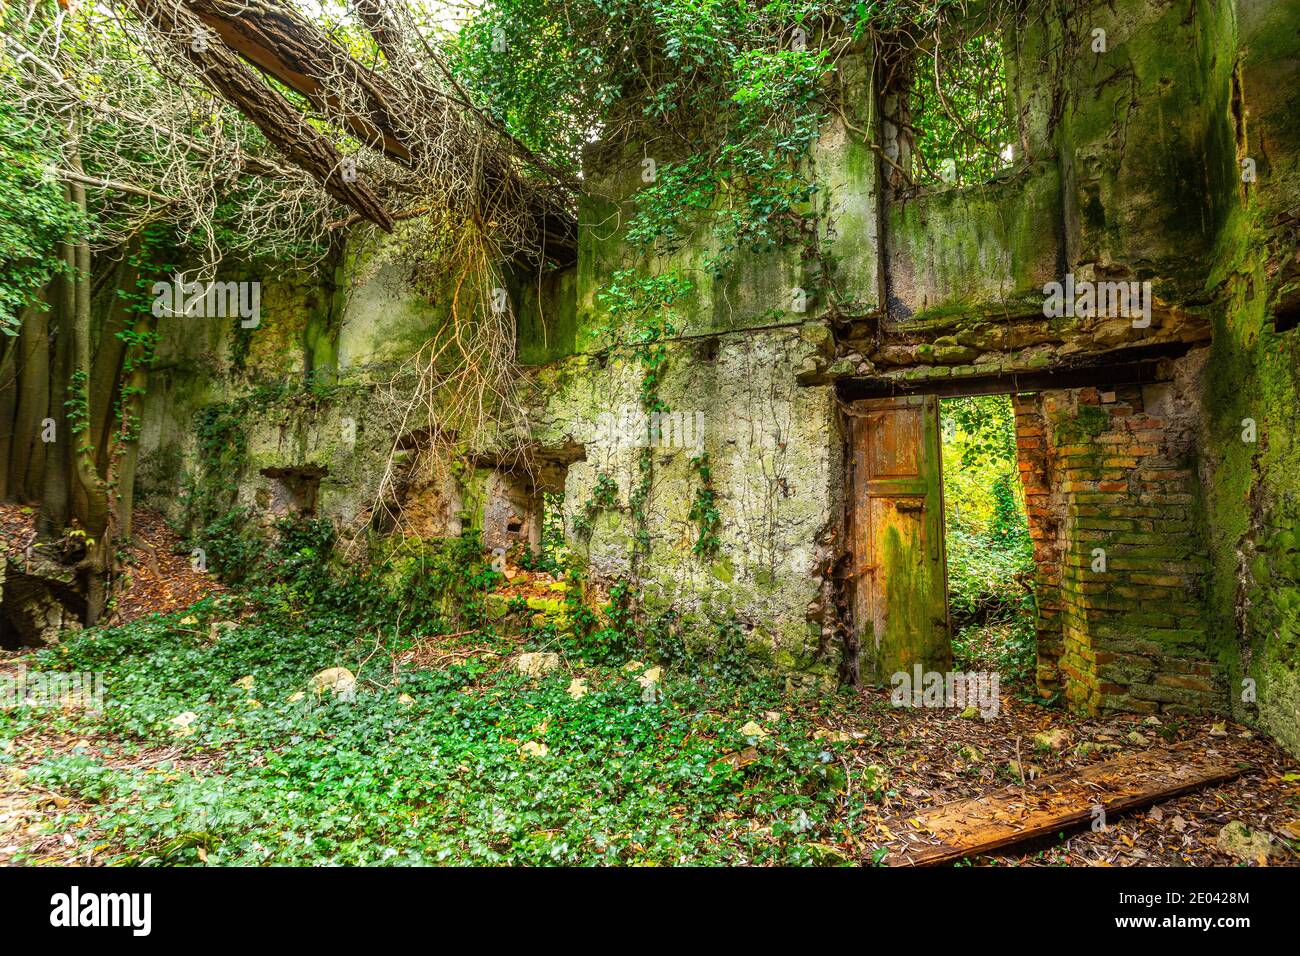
213	519
990	554
110	143
117	176
37	216
963	120
214	749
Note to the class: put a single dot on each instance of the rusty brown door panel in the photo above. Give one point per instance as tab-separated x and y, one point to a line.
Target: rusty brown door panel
899	579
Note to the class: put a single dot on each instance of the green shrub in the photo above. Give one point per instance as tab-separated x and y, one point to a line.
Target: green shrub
989	551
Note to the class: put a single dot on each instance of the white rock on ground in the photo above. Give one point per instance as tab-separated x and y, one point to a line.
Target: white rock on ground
339	681
183	724
537	663
1238	840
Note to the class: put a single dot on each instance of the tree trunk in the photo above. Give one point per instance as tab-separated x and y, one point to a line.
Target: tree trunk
126	442
277	118
90	502
55	509
110	349
8	401
32	365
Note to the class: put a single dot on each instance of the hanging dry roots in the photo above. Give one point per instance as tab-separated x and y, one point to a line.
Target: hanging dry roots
463	392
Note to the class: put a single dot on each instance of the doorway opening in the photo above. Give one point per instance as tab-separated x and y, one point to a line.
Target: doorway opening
943	560
523	514
989	549
1077	575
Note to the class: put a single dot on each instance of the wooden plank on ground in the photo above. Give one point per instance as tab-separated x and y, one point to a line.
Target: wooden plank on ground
953	831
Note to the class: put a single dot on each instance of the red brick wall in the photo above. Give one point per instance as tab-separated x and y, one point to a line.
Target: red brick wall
1101	472
1045	509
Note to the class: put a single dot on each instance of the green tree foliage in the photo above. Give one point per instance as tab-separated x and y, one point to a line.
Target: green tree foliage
990	554
713	92
37	216
727	95
721	95
963	122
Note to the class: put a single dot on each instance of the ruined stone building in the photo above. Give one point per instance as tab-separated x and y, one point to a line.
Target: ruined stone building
1155	178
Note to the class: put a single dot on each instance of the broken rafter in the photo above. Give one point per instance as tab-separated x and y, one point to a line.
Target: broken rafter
549	219
274	115
278	41
381	110
388	35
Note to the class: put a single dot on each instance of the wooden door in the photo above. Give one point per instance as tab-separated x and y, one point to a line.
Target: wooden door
898	574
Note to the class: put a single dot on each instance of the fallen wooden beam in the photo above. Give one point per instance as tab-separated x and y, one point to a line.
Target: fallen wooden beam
953	831
280	42
277	39
279	120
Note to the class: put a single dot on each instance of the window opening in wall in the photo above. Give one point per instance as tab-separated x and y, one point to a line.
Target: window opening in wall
990	555
293	492
1286	318
949	105
551	553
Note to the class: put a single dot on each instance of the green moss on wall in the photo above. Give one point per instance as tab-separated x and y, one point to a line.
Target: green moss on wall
972	250
546	315
1075	426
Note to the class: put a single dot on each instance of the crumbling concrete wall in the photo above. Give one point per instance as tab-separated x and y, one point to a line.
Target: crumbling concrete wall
776	460
735	372
252	417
